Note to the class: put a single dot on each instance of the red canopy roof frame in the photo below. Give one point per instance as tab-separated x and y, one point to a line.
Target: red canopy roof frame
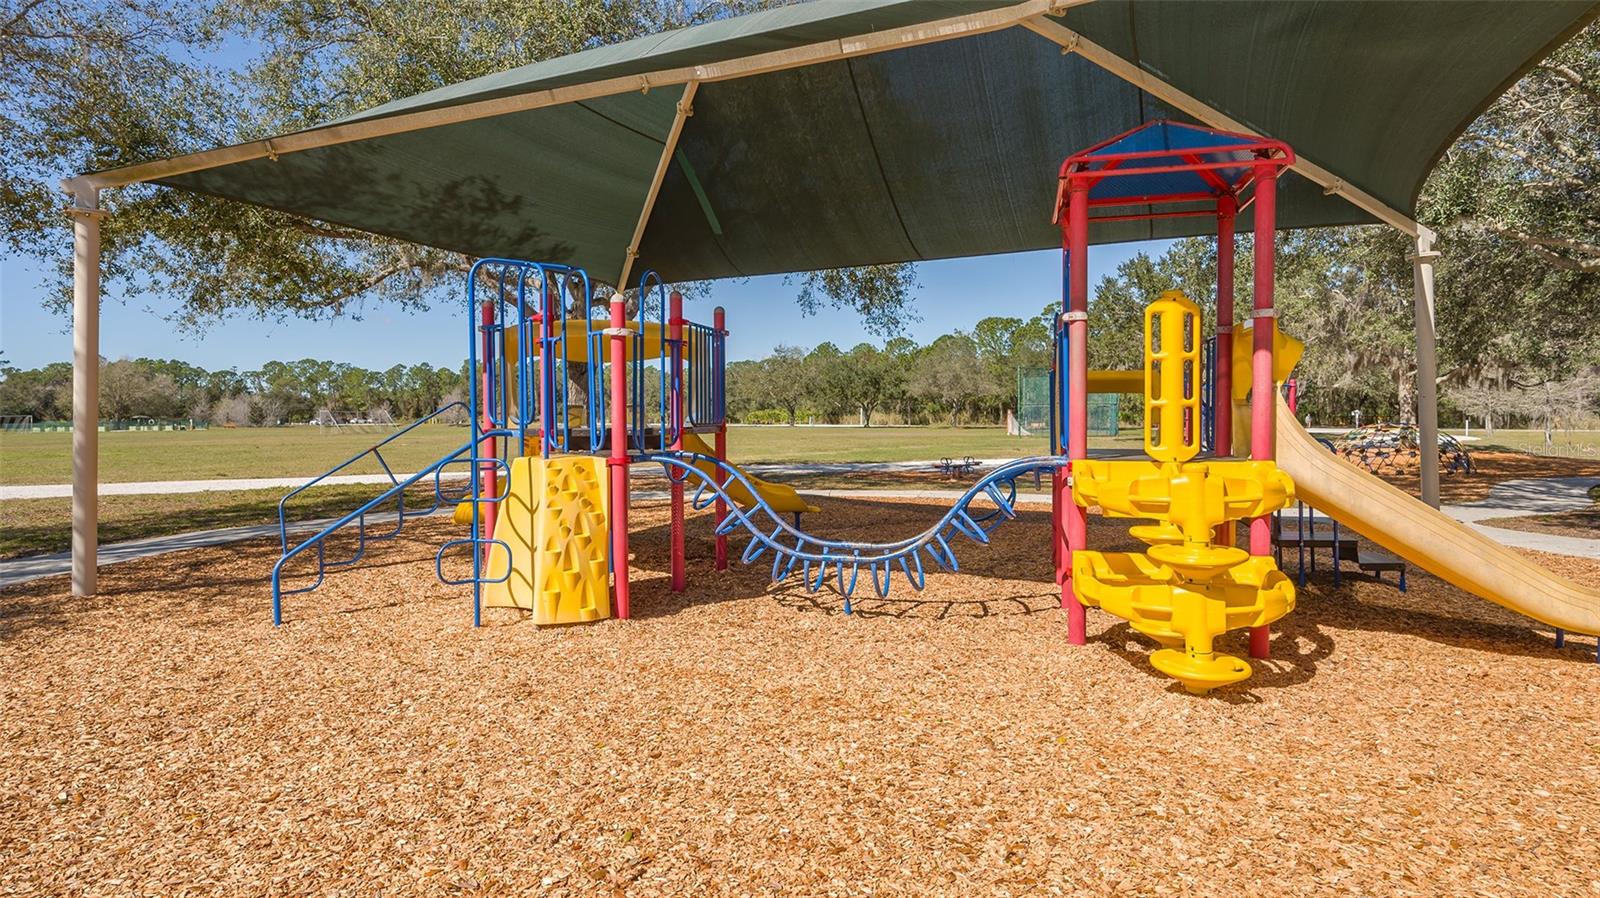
1230	172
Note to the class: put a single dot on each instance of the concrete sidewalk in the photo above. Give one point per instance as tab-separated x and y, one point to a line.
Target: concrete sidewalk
1543	495
643	469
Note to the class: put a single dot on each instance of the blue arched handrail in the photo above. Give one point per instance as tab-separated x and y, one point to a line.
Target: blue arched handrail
814	554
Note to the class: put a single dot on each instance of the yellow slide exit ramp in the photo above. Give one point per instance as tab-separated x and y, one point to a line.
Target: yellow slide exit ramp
1427	537
782	497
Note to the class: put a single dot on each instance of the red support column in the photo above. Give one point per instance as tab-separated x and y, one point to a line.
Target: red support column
677	580
719	321
547	388
489	472
618	462
1078	390
1262	389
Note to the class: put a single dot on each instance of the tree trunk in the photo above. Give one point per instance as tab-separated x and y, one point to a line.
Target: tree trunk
1406	392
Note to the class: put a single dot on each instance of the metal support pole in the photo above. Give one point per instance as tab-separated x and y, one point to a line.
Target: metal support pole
86	217
1222	384
618	462
1263	392
669	146
1078	390
1427	367
719	321
677	580
489	472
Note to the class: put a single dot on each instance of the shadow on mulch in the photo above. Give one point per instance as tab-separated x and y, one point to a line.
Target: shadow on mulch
213	588
1492	467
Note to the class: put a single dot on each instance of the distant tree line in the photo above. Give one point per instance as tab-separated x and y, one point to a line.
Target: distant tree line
960	378
275	393
1347	292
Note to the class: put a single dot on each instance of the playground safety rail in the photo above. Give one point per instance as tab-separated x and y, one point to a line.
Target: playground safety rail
879	558
395	492
376	451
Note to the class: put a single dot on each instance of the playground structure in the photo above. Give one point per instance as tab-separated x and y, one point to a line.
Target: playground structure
1393	449
1191	585
1313	531
555	430
565	403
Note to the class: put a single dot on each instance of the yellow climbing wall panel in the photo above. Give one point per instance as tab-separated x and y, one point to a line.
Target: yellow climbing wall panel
556	520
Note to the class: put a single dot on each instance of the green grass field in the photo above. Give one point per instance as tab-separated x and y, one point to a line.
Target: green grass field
216	454
1575	443
33	526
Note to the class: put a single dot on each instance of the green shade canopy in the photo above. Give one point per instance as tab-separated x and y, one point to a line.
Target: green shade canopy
937	149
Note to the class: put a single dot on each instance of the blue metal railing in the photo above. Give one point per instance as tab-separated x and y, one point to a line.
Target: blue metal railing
518	359
376	451
706	384
394	492
879	558
1059	391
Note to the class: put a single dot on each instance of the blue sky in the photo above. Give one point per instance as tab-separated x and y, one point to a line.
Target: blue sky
954	294
762	313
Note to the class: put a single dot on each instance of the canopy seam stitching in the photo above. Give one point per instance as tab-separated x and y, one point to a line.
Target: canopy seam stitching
877	159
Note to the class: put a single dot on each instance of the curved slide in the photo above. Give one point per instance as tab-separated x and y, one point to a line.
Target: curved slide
1427	538
780	496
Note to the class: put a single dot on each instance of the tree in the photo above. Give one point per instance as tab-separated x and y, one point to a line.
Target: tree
826	380
948	373
1516	204
869	377
45	393
128	389
1487	401
784	380
881	294
1003	345
142	89
1552	402
744	388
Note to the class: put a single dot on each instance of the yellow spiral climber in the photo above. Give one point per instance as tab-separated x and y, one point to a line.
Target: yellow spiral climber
1186	589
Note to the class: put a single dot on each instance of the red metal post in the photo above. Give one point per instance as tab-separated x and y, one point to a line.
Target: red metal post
618	462
1262	389
1078	390
489	473
545	392
675	408
719	321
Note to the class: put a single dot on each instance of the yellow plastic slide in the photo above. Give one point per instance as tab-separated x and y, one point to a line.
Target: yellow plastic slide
782	498
1427	538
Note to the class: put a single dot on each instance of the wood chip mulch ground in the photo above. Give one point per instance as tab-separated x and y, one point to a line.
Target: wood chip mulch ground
1497	466
741	739
1581	523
